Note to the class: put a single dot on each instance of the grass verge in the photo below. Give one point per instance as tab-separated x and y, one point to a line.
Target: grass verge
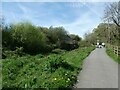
52	71
112	55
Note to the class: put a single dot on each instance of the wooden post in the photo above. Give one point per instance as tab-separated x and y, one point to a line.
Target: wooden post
117	50
114	49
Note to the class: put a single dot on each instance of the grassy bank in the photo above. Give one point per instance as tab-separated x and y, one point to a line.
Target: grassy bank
112	55
51	71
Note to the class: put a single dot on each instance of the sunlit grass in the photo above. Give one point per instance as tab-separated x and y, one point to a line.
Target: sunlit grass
52	71
113	56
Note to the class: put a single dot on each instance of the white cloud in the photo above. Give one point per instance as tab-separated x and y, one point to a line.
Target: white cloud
88	21
27	12
85	22
80	25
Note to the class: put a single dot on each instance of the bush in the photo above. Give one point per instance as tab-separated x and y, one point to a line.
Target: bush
57	51
29	37
36	40
84	43
6	38
52	71
55	62
114	56
69	45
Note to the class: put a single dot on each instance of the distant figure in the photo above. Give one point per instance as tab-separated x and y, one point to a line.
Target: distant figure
103	44
97	45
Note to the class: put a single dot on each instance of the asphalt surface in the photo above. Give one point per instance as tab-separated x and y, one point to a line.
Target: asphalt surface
99	71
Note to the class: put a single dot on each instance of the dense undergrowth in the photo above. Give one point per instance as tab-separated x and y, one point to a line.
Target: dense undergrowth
113	56
44	71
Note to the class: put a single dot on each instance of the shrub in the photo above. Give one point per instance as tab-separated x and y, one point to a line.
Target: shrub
114	56
9	54
55	62
52	71
57	51
29	37
6	38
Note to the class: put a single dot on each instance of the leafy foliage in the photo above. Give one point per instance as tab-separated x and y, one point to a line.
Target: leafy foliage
104	34
75	37
111	54
52	71
35	39
28	36
37	57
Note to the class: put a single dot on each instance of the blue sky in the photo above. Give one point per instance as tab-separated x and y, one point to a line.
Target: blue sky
76	17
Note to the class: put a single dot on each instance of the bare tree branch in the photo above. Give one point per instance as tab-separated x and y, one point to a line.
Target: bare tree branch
112	13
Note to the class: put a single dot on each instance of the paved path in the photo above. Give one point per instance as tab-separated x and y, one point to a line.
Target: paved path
99	71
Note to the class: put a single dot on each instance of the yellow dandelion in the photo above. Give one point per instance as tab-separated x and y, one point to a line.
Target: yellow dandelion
72	76
55	78
68	79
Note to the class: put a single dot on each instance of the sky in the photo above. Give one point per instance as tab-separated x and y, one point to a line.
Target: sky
76	17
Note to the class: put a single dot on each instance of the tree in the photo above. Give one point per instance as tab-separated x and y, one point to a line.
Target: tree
29	37
57	35
112	13
101	33
75	37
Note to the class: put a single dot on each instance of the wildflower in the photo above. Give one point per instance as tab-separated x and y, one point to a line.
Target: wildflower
72	77
68	79
25	85
66	74
55	78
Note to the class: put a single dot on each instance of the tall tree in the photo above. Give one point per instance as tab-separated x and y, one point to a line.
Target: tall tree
112	14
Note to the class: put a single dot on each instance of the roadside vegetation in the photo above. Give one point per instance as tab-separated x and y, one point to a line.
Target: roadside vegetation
39	71
113	56
109	31
40	57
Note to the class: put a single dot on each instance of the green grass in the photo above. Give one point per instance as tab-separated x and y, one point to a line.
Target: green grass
112	55
52	71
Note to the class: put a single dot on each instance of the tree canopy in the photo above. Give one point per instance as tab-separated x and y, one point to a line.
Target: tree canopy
35	39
